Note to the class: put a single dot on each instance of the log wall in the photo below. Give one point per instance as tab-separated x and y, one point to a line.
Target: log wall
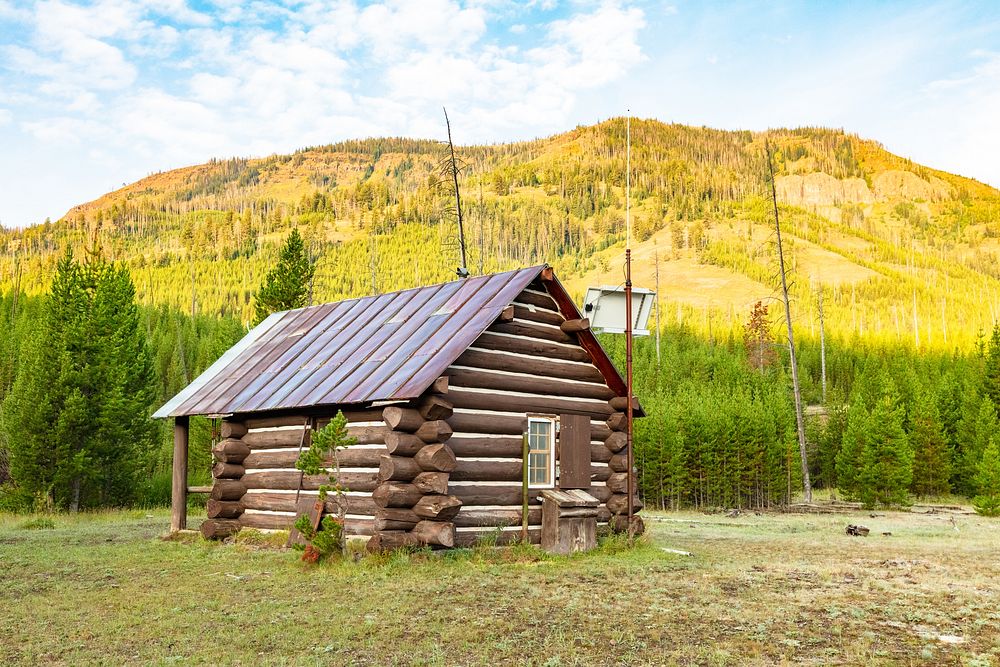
263	451
413	504
530	364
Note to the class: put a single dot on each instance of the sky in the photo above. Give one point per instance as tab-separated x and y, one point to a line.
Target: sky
94	95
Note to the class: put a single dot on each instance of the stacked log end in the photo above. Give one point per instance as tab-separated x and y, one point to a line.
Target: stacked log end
225	506
618	481
411	496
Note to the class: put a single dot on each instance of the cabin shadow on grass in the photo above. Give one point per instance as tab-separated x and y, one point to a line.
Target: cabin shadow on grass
758	590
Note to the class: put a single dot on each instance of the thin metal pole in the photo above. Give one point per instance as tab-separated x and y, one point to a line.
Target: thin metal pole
822	344
524	488
656	260
629	455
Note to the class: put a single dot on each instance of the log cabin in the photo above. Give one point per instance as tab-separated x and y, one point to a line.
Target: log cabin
444	388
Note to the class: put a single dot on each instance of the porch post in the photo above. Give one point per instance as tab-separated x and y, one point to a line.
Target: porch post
178	515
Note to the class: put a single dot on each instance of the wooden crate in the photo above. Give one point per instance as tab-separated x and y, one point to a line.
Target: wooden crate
569	520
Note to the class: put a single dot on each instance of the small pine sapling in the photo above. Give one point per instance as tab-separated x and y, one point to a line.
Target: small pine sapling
326	442
987	480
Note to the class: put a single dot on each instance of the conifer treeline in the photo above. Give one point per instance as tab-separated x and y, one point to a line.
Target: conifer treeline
720	429
898	425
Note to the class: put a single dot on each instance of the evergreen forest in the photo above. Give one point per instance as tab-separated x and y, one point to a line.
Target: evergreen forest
115	307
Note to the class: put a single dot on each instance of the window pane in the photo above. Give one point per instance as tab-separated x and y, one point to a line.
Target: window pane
539	452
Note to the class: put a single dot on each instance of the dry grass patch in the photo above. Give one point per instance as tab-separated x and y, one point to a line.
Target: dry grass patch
756	590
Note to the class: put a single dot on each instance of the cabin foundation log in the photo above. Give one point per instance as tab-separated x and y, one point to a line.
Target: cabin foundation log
230	450
438	533
218	529
396	494
434	431
223	509
618	482
433	408
397	468
619	524
472	538
402	444
432	482
285	522
437	457
387	540
618	503
618	421
227	470
233	429
289	479
489	379
516	363
228	489
285	502
437	507
616	442
407	420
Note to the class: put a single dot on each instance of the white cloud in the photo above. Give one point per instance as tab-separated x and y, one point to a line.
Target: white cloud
5	117
64	130
161	84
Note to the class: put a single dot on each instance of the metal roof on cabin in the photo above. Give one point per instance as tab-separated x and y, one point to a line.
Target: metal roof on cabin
385	347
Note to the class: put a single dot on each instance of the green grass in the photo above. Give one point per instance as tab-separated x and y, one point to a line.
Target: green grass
758	589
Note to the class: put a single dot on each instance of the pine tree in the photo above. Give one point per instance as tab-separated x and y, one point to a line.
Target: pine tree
125	381
987	502
931	454
46	409
978	424
287	284
991	368
849	458
78	415
757	338
830	438
887	462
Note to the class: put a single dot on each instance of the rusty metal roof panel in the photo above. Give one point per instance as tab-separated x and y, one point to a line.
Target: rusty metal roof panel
390	346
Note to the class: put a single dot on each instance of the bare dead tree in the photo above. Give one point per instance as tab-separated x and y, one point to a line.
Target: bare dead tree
451	168
799	420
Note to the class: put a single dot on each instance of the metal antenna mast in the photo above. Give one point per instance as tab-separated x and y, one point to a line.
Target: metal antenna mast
630	456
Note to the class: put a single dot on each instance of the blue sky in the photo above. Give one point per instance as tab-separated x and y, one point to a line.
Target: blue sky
96	94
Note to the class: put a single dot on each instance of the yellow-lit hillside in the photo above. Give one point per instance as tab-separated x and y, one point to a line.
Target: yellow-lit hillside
903	251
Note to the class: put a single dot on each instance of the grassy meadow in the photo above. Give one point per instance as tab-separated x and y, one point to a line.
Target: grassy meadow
756	589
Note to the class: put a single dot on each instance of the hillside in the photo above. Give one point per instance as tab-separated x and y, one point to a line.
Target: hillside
903	251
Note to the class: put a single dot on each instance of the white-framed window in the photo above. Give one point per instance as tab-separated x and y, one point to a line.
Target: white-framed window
541	452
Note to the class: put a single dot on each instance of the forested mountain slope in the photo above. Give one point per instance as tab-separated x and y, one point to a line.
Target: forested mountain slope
903	251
